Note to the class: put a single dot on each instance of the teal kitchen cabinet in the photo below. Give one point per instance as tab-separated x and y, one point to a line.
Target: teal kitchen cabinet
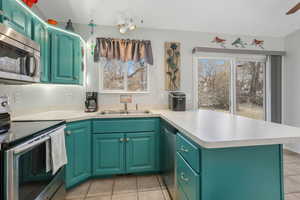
125	146
140	152
108	154
17	17
235	173
65	56
78	144
40	35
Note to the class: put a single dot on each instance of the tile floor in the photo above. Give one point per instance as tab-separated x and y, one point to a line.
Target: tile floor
130	187
150	187
291	175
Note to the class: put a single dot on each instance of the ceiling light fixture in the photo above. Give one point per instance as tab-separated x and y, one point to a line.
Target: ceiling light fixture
126	24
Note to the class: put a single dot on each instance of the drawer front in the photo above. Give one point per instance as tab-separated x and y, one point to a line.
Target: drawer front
124	125
189	152
187	178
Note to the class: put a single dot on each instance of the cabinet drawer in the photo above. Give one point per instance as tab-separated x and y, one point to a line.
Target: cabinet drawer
187	178
189	152
124	125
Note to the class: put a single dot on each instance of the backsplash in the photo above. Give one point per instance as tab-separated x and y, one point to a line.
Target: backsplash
25	99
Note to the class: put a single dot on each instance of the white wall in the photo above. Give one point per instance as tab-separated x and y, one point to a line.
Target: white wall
25	99
36	98
291	107
188	40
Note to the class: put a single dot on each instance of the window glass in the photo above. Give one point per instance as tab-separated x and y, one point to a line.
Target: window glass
113	75
124	76
136	77
214	84
250	89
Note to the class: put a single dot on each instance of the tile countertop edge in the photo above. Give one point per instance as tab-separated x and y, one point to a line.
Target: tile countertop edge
161	113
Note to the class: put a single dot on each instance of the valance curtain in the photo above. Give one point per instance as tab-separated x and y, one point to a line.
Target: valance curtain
124	50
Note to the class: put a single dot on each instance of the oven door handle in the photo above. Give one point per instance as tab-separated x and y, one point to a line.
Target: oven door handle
34	143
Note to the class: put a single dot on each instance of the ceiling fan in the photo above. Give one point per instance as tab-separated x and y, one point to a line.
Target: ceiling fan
294	9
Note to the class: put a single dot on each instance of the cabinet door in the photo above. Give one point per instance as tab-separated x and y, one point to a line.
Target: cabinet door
78	142
140	152
17	17
40	35
108	154
65	58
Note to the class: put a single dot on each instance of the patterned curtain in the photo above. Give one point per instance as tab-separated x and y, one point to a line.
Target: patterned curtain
124	50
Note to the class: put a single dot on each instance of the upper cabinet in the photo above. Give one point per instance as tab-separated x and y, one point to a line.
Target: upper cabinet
40	35
16	17
62	59
65	57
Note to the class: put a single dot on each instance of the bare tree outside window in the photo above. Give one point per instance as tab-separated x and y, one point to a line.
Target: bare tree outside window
214	84
125	76
243	94
250	89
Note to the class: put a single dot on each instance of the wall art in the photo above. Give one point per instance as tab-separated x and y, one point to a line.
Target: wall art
219	41
172	66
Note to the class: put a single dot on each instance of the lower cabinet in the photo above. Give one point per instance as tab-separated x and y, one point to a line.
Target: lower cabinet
78	145
116	153
108	154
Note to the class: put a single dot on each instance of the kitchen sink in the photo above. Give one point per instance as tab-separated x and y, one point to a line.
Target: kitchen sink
123	112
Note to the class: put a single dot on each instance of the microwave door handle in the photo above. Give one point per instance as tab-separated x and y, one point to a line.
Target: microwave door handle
35	62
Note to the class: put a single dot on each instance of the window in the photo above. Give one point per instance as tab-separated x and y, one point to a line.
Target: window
232	84
117	76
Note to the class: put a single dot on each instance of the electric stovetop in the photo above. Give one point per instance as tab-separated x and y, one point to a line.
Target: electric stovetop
21	130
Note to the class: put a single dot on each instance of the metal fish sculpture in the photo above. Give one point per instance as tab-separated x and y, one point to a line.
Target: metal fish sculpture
258	43
219	41
239	43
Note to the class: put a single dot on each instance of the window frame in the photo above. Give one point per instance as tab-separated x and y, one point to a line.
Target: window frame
125	91
232	58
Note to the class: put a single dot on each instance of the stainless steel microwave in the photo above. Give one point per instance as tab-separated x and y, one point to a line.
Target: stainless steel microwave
19	57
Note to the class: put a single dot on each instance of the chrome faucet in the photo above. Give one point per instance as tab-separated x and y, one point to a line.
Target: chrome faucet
125	107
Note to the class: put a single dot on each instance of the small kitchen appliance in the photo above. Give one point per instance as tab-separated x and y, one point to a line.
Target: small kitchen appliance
91	102
177	101
4	115
19	57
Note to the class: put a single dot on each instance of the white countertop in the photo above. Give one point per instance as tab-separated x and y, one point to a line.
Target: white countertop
207	128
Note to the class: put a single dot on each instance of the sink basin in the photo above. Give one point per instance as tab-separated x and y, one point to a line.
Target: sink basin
123	112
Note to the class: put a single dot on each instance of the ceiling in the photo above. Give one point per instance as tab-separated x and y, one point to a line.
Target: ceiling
246	17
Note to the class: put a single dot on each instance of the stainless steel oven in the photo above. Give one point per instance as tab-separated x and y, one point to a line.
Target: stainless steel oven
26	177
19	56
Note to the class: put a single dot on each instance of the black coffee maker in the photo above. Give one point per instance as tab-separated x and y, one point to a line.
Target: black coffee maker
91	102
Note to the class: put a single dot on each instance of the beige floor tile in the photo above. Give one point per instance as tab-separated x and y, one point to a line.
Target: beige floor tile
290	157
147	183
125	184
101	187
79	191
292	184
99	198
129	196
291	197
161	182
151	195
166	194
292	169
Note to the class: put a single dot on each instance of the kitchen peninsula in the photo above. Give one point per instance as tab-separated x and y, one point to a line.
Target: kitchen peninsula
218	155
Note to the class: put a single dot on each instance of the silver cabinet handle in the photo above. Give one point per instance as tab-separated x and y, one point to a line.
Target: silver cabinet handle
68	132
121	139
183	178
183	149
127	139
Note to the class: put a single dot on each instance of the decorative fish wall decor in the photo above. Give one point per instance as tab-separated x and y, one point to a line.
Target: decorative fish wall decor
239	43
258	43
219	41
